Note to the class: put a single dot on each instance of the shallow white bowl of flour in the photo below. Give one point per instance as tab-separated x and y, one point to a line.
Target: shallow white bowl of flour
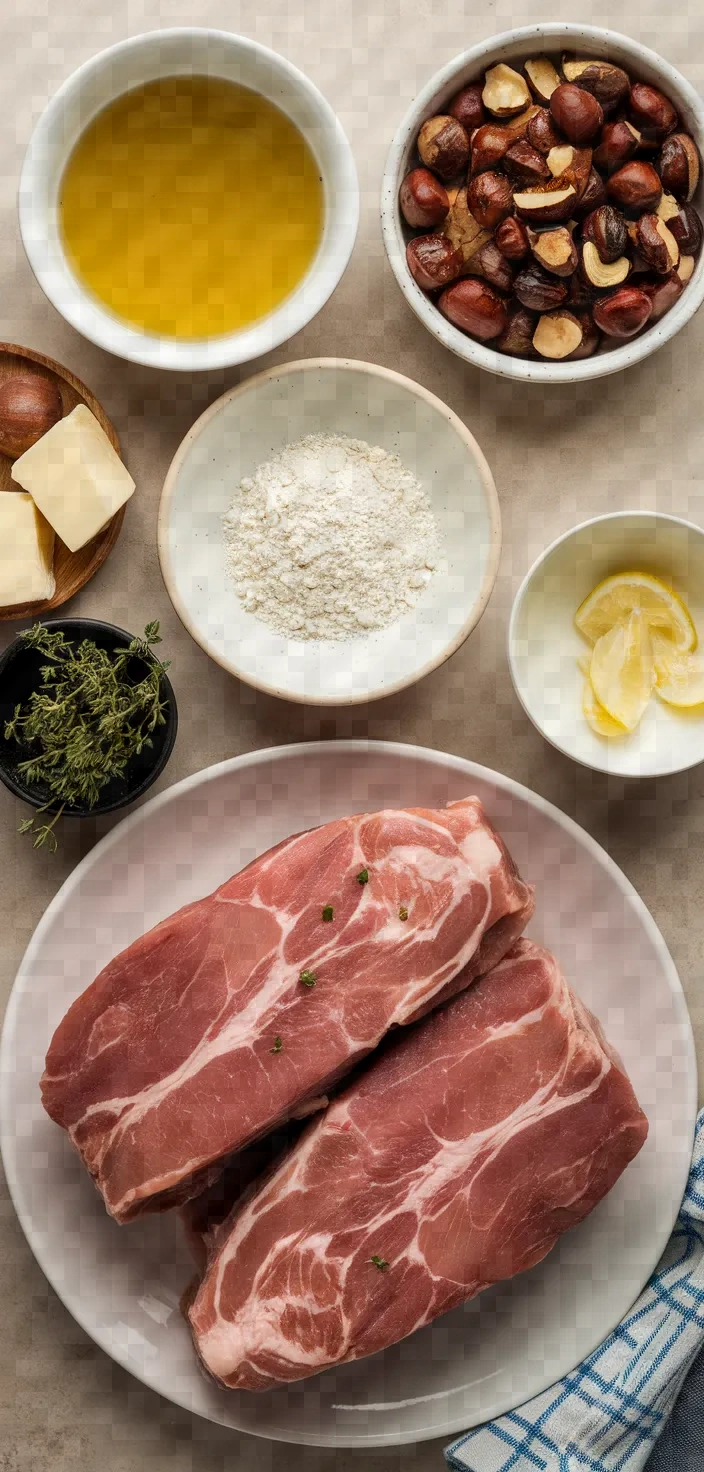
252	423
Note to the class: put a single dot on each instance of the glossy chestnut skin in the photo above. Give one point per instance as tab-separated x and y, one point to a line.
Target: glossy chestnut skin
617	145
517	336
467	107
511	237
494	267
635	187
433	261
687	230
524	164
593	196
443	145
490	198
542	131
489	144
539	290
30	405
651	112
474	307
576	113
423	199
624	313
608	83
679	166
663	293
654	241
607	228
581	295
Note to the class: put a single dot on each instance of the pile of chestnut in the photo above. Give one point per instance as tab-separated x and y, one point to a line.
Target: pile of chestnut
554	207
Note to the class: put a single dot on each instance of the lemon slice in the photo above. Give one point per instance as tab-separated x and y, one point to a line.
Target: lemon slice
622	669
600	721
679	675
618	596
594	713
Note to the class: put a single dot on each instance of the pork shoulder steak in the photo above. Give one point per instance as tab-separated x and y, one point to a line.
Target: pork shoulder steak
456	1159
237	1012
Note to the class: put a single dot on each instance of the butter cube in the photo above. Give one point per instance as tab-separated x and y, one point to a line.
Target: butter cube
75	477
26	551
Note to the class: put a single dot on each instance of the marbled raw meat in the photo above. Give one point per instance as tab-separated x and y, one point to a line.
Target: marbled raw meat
169	1061
456	1159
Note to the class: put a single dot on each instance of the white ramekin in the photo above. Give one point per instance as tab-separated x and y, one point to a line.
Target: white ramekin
544	644
643	65
142	59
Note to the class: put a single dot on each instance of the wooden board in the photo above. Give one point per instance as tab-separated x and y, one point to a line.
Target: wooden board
71	569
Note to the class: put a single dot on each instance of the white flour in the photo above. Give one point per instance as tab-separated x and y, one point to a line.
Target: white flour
330	538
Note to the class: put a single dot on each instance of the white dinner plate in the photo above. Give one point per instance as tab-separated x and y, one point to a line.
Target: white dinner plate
123	1284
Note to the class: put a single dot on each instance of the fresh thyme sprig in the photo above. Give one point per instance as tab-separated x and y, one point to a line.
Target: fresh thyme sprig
85	721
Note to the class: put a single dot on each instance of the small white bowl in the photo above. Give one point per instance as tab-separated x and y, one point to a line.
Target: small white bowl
544	644
180	52
254	421
512	46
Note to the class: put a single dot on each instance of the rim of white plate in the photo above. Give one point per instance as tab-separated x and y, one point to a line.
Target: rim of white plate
275	754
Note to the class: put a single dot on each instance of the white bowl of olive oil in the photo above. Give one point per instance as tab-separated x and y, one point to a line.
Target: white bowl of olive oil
188	199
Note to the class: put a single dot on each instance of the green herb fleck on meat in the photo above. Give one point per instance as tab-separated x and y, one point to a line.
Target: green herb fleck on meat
278	1046
328	912
379	1262
308	978
363	876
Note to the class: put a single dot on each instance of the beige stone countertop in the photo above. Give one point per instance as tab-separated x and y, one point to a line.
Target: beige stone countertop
558	456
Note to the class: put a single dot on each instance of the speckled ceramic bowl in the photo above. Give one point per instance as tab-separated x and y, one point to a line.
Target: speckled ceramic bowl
255	420
517	46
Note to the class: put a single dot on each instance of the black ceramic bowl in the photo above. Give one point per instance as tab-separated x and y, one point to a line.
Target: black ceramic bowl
19	676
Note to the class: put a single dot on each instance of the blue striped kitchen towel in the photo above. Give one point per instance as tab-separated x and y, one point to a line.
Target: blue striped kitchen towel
607	1415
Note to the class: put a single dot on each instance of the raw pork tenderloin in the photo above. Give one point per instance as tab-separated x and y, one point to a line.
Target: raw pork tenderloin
239	1011
455	1159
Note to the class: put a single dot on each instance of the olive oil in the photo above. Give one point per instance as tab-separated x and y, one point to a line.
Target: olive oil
191	207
